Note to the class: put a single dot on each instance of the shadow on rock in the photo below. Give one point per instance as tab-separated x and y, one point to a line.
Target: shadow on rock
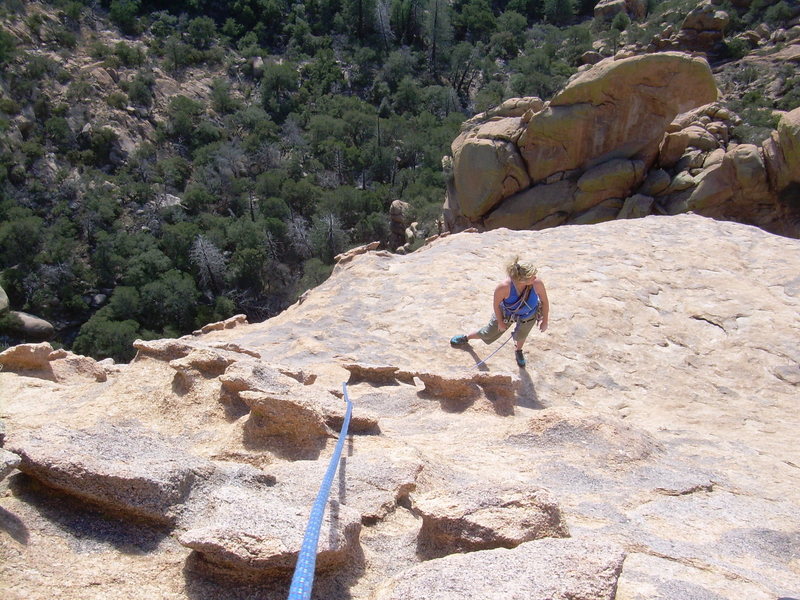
233	406
88	528
259	434
526	396
13	526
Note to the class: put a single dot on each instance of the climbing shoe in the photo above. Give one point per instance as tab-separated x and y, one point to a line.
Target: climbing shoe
520	358
458	340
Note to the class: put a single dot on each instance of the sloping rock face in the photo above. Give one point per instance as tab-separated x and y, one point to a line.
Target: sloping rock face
648	451
594	151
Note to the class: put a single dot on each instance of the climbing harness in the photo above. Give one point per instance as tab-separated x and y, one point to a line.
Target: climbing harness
303	578
516	307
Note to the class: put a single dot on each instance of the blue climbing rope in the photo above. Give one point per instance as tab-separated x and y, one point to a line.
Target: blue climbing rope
303	578
479	363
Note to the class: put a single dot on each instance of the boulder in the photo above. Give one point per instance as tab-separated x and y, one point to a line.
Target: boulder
532	206
465	515
613	178
575	569
706	17
699	137
789	141
637	206
229	323
485	172
617	109
249	531
608	9
291	424
4	307
29	327
607	210
656	182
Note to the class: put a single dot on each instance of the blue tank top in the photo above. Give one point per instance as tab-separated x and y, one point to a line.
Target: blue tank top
520	307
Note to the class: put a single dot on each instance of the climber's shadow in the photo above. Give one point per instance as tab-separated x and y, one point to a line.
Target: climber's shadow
526	395
13	526
479	365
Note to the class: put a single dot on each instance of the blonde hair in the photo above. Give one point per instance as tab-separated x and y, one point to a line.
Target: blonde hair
518	269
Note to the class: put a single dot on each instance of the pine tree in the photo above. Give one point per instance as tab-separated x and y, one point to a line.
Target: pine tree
210	263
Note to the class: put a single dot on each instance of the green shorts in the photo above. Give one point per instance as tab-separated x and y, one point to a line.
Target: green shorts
490	332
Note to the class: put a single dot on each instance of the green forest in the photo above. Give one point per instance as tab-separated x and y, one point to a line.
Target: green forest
318	116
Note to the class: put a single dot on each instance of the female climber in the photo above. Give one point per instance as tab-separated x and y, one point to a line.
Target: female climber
520	299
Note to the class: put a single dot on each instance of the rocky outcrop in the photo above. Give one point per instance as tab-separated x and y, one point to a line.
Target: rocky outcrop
22	326
656	415
615	144
462	514
608	9
40	360
123	467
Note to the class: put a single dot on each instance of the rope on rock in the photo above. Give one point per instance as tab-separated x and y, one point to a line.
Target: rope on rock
479	363
303	578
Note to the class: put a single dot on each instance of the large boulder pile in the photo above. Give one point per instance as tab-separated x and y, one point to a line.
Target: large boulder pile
627	138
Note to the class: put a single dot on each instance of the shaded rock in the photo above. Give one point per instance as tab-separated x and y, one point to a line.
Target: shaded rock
29	327
591	57
461	391
124	467
789	140
550	569
464	515
362	422
656	183
287	423
672	148
533	206
3	302
8	462
607	210
682	181
377	374
713	187
636	206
